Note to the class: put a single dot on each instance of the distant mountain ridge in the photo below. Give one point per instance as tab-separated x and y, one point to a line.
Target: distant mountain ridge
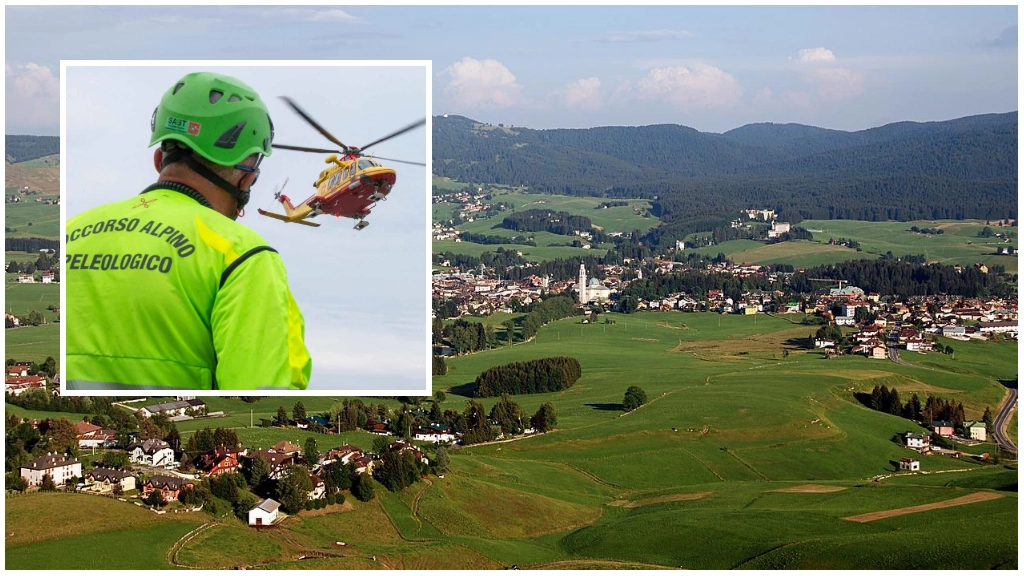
961	168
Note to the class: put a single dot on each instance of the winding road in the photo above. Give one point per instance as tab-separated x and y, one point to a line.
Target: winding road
1006	410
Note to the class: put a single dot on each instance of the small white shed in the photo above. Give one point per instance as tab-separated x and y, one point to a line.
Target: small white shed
265	513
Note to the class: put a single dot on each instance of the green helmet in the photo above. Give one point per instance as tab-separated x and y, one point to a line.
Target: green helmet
219	117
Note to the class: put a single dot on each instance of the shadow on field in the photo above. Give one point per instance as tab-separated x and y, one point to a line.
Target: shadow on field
798	343
863	397
1009	383
468	390
607	406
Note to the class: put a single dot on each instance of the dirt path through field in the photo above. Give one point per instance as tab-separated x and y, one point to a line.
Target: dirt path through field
660	499
811	489
969	499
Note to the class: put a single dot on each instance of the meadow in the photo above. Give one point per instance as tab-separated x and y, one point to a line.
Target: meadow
751	453
32	219
549	246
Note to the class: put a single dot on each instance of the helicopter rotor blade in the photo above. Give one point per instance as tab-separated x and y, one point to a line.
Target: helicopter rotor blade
396	133
305	149
402	161
312	122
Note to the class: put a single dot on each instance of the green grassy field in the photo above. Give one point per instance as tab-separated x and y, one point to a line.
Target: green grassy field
33	343
691	479
45	219
95	533
959	243
21	299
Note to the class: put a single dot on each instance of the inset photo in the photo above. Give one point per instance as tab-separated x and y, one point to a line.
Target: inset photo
245	226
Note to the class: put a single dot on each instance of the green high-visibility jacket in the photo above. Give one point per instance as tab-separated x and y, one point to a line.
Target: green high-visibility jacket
163	292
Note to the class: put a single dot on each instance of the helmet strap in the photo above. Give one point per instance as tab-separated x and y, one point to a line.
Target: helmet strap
242	196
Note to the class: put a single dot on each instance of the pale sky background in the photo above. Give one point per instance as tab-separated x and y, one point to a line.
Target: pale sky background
711	68
364	294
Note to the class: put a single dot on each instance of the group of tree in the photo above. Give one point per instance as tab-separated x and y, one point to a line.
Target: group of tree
920	230
398	469
934	408
465	336
905	279
438	367
698	283
548	221
492	239
530	377
547	310
32	245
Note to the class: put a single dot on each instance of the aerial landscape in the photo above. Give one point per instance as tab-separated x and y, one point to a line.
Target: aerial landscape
781	343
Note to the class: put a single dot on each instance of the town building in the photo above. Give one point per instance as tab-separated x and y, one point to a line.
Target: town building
976	431
59	467
170	487
103	480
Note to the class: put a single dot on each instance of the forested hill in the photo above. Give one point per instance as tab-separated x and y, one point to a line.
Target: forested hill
22	148
963	168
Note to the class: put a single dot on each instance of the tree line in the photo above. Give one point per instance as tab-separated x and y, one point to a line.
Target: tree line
530	377
905	279
547	220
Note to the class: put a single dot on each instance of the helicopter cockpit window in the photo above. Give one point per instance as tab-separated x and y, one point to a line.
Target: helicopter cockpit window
365	164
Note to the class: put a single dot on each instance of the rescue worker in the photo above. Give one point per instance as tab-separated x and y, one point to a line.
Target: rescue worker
165	290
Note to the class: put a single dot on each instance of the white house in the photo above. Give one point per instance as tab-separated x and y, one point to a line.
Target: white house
58	466
265	513
435	434
910	464
917	441
153	452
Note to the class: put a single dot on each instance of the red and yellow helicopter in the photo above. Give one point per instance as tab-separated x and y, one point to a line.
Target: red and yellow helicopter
351	186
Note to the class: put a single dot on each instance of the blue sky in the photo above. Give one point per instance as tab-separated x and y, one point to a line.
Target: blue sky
712	68
364	294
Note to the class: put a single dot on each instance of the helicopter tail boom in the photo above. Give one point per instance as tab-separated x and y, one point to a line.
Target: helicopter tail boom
283	218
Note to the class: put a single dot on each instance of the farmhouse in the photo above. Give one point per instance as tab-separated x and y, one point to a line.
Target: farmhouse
152	452
220	460
15	385
173	409
168	486
976	430
103	480
276	460
918	441
58	467
344	454
265	513
943	428
435	433
92	436
910	464
19	369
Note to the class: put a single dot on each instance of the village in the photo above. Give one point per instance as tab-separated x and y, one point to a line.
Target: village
165	477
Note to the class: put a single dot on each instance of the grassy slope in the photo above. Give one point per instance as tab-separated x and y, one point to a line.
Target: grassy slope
746	421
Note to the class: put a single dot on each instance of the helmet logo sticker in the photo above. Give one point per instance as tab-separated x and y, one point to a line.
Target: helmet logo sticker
181	126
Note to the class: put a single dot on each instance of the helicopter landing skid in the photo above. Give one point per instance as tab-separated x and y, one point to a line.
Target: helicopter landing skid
361	224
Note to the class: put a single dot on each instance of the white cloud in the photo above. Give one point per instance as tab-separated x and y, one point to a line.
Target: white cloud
814	55
33	96
482	83
646	36
696	86
763	96
582	94
311	15
836	83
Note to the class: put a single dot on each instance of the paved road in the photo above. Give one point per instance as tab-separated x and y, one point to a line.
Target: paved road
1002	420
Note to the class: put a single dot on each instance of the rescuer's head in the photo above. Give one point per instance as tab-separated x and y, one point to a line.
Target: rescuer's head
218	126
